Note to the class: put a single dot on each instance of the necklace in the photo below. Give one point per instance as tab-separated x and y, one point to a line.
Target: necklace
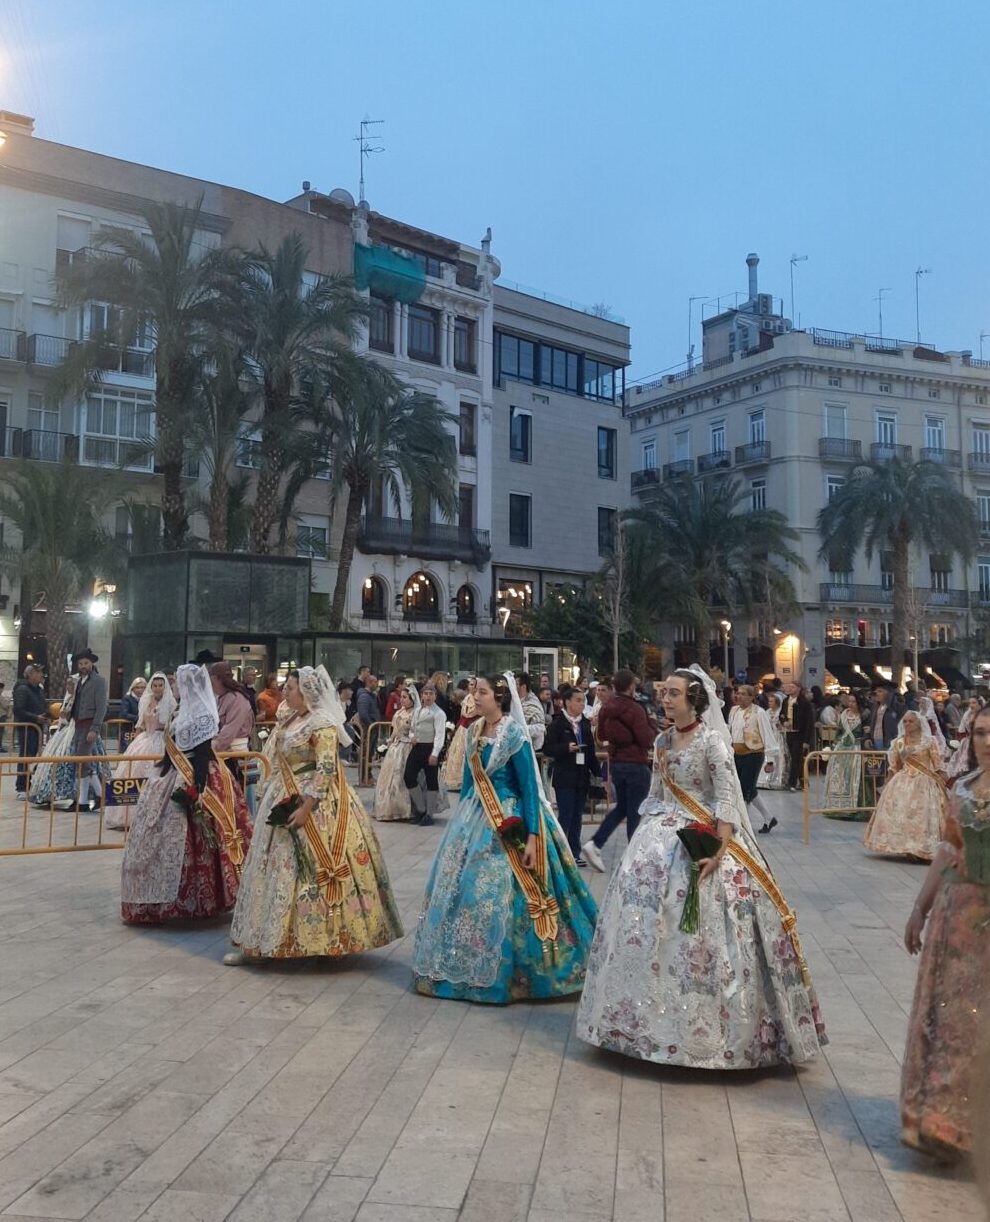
688	728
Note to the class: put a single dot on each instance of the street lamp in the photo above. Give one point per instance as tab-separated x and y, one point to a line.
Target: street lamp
726	629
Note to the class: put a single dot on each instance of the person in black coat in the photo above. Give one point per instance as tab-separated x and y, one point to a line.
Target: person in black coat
797	717
570	744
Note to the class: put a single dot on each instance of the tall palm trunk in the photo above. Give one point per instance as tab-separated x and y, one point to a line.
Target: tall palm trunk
57	641
218	511
175	519
266	500
352	520
899	612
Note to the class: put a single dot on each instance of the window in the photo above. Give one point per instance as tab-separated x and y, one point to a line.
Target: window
758	494
599	380
839	577
832	485
983	579
606	531
983	509
981	441
606	453
464	358
649	455
514	594
117	429
885	388
934	433
559	368
249	447
886	428
757	388
981	400
885	632
718	438
41	415
934	394
940	634
837	630
465	506
835	383
373	598
862	632
520	507
682	445
464	599
516	358
757	427
71	241
311	541
941	574
520	436
380	336
424	334
420	600
468	436
886	570
835	420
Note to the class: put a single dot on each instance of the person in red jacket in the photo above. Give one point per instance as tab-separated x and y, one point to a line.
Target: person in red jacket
624	725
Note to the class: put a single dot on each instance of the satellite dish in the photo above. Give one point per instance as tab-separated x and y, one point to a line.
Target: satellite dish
340	195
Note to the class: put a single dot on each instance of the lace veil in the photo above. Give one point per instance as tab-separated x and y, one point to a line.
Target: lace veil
198	719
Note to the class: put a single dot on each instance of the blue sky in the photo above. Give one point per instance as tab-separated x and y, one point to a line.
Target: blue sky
623	152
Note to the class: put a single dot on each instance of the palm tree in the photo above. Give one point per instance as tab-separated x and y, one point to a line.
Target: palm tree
57	511
895	506
288	328
384	435
177	292
698	549
214	430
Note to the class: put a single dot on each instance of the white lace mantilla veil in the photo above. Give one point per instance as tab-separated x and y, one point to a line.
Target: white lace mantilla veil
712	719
166	706
927	738
926	708
198	719
320	693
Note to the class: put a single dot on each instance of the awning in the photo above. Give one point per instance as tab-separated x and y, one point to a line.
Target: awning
389	273
952	678
844	674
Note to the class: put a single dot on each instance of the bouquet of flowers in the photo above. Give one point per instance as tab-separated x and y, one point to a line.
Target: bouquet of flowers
513	831
279	816
186	796
700	843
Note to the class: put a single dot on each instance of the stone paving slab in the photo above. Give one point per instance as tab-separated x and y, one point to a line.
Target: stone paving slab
142	1081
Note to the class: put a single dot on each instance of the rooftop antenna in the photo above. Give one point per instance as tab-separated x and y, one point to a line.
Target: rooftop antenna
795	259
879	300
366	147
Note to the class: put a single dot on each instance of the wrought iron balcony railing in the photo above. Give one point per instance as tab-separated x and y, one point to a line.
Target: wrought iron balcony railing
427	541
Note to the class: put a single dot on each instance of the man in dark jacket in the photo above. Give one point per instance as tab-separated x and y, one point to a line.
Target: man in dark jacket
624	725
797	716
570	744
30	706
880	724
89	709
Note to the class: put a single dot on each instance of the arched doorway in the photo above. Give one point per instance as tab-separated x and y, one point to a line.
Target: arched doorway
466	606
420	598
373	598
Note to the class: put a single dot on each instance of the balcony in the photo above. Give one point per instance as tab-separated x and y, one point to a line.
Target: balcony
755	452
132	454
717	460
682	466
948	458
979	460
10	443
47	446
882	451
425	541
840	448
11	344
642	481
136	362
47	350
857	595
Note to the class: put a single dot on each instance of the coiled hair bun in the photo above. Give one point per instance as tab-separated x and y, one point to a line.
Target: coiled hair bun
697	696
501	689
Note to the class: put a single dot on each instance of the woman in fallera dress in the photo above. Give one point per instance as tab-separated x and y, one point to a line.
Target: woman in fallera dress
734	994
947	1034
776	776
844	772
910	816
341	902
155	711
391	796
958	764
506	916
452	773
190	827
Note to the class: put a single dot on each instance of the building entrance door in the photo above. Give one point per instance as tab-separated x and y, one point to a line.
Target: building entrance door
544	661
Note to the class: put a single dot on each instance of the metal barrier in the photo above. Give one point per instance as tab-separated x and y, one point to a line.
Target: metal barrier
368	757
31	818
872	767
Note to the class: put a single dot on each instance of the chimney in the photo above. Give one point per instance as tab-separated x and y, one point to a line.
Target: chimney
306	185
12	124
752	261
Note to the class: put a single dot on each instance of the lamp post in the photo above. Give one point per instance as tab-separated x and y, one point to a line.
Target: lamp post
921	271
726	626
795	259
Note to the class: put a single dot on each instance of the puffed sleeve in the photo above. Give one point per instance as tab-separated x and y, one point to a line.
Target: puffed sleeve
523	769
722	770
316	784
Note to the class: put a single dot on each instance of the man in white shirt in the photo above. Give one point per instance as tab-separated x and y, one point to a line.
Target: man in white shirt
428	731
752	734
536	718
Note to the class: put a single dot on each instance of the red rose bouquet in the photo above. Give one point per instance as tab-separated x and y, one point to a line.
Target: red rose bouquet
186	796
279	816
513	831
700	842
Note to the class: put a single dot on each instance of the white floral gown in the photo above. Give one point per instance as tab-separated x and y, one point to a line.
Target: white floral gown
732	995
391	796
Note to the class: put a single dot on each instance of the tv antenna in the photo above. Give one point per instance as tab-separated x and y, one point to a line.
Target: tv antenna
366	146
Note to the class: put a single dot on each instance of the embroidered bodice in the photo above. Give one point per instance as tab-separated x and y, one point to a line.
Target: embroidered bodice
309	746
704	768
968	828
509	763
401	725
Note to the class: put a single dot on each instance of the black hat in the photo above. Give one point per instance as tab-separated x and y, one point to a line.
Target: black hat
205	657
85	653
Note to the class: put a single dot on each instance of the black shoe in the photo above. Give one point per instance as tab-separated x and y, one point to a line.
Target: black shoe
426	821
768	827
580	863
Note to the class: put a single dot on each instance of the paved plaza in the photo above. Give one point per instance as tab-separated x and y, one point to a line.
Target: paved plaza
141	1079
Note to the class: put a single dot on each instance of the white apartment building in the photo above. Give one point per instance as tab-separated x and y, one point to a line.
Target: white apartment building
788	413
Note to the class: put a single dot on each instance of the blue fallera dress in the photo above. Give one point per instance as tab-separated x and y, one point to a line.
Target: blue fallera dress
476	940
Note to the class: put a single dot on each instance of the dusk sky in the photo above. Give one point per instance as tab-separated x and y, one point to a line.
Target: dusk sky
625	153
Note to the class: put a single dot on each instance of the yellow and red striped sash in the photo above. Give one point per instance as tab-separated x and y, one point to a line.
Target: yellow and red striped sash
332	866
222	811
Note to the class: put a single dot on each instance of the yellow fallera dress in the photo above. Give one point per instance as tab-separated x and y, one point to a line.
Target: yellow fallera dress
349	907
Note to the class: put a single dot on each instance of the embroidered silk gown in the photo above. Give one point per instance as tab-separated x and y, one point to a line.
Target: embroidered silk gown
947	1032
476	940
279	916
59	782
910	815
391	795
844	774
452	772
732	995
180	865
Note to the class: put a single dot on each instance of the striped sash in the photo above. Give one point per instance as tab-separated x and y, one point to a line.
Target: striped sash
332	866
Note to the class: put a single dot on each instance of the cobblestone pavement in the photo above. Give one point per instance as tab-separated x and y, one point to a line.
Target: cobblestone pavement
139	1078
